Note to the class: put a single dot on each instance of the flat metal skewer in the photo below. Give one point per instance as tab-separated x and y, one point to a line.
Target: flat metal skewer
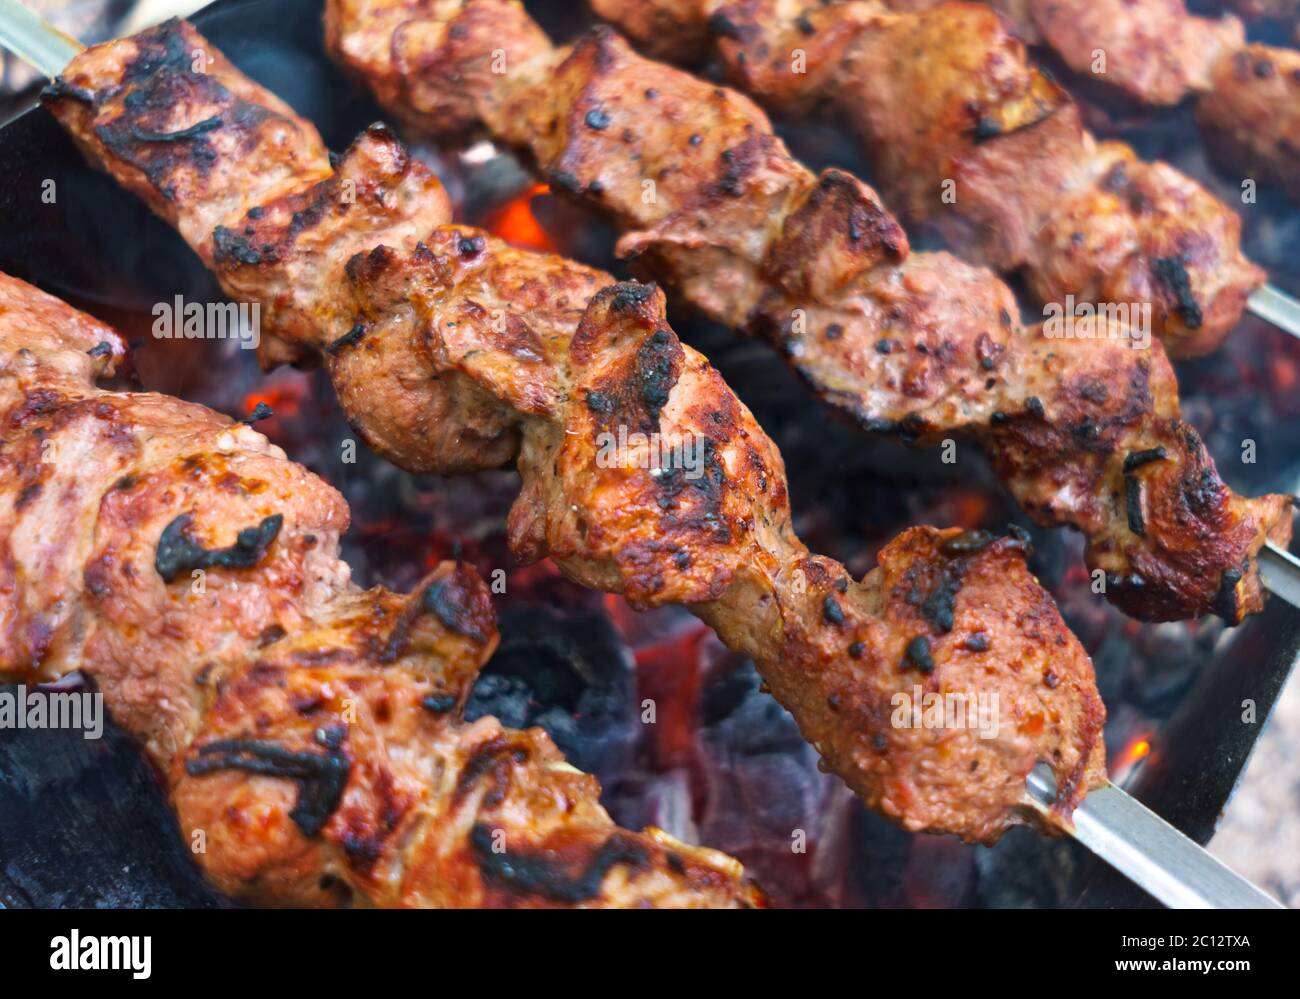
1276	307
1149	851
34	40
1116	827
1279	571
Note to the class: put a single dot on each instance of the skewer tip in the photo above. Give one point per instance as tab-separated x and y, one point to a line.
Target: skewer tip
34	40
1275	306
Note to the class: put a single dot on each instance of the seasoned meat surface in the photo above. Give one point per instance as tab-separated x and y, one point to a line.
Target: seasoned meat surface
712	531
917	345
1151	50
309	731
1251	115
956	118
1156	52
1276	10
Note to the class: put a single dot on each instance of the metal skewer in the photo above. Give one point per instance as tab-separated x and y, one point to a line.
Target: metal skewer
1276	307
1149	851
1110	823
34	40
1279	571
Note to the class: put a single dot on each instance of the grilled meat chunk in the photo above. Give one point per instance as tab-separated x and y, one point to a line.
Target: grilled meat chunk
1156	52
713	534
1251	115
979	144
309	732
914	344
1286	11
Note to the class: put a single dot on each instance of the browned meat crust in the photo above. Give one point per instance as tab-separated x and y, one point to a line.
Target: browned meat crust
309	732
954	614
914	344
1158	53
1274	10
1251	115
1155	51
947	102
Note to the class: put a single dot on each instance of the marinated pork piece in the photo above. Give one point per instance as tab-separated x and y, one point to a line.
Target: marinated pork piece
974	141
1158	53
945	613
1251	115
1154	50
917	345
1287	11
948	613
311	730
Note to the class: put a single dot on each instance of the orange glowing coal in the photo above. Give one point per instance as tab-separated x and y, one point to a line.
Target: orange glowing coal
1137	750
284	397
517	225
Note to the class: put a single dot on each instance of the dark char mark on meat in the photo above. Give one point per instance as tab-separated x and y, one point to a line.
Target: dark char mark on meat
1136	459
181	134
493	756
1173	275
452	603
1133	504
178	552
347	339
1225	603
321	777
656	369
535	875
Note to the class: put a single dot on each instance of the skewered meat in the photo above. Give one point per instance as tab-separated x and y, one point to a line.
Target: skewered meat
1250	115
1156	52
915	344
310	732
946	613
976	142
1287	11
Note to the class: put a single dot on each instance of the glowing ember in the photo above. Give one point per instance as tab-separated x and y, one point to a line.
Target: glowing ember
284	397
517	225
1134	752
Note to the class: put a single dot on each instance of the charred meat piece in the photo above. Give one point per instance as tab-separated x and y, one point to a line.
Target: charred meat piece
916	345
1251	115
1158	53
1154	50
310	732
841	654
1286	11
976	142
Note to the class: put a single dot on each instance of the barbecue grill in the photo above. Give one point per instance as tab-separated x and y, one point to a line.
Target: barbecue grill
724	765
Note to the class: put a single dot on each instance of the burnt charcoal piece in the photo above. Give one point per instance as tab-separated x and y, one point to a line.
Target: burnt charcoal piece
84	824
570	674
